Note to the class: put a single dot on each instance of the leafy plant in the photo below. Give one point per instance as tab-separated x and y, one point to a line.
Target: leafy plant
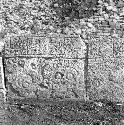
74	9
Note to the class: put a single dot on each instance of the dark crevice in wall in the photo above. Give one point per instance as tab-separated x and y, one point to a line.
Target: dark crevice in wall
4	73
87	86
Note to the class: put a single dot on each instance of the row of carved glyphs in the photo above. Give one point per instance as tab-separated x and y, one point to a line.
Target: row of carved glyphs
66	47
63	46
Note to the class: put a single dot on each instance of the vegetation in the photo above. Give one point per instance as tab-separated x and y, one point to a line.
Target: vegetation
68	112
74	9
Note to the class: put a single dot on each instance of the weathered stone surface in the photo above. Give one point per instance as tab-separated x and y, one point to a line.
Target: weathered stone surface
48	64
46	67
40	74
59	46
2	108
106	78
35	71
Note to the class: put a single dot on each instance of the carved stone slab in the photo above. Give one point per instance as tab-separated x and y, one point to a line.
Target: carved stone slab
44	66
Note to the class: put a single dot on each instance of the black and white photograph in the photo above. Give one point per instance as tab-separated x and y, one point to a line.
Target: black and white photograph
61	62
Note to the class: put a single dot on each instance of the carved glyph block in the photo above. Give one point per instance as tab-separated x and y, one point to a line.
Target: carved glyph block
65	47
27	75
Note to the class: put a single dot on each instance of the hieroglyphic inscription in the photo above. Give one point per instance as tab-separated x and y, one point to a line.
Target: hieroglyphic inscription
64	47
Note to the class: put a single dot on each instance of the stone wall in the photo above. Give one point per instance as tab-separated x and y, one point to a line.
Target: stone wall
67	53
